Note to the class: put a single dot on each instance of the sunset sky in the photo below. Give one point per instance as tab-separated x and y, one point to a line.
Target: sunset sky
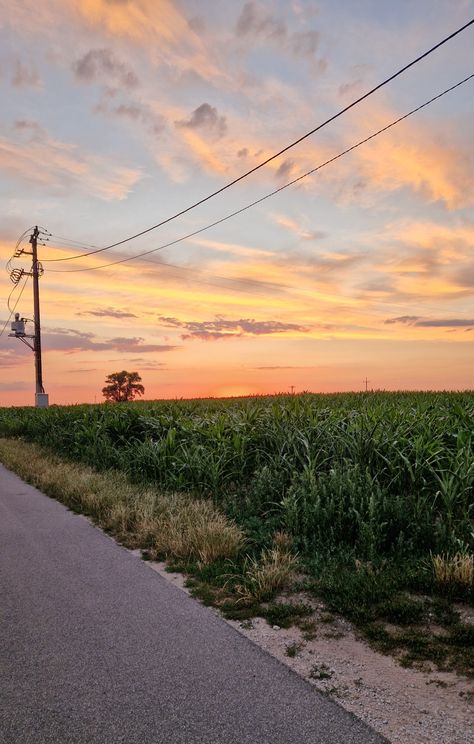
118	113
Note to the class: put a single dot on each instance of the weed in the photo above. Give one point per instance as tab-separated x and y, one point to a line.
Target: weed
321	671
264	576
309	629
293	649
285	614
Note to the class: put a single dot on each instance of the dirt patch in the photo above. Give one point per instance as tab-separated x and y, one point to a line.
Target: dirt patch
405	705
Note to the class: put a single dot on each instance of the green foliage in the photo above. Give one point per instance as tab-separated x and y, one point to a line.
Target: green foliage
388	475
122	386
285	614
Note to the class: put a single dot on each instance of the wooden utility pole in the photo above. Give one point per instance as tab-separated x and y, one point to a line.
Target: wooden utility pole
33	341
366	384
35	269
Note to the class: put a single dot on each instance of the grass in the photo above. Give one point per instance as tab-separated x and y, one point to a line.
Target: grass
370	496
321	671
293	649
269	573
171	526
454	570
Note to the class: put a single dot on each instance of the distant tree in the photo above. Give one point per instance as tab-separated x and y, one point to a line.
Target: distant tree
122	386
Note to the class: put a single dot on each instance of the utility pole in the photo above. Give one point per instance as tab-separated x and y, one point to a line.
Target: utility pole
18	326
292	387
366	383
39	397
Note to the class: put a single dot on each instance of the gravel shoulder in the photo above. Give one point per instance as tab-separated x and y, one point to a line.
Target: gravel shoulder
405	705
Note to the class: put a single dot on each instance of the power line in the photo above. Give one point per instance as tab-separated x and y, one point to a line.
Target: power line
14	306
272	193
280	152
202	277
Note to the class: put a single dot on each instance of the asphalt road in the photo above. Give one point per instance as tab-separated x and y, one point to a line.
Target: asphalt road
95	648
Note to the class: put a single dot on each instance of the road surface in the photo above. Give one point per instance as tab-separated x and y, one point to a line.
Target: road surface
95	648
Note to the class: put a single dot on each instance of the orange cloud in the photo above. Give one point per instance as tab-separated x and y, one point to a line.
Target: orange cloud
61	165
160	29
417	154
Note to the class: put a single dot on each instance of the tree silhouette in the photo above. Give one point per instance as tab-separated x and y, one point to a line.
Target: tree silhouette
122	386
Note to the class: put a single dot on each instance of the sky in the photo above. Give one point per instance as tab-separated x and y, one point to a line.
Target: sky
116	114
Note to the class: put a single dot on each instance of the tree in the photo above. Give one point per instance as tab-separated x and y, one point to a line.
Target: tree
122	386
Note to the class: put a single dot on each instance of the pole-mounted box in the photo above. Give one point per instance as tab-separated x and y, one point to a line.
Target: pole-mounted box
18	326
41	400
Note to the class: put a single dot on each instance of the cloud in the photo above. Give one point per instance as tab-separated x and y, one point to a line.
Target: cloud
25	76
60	166
296	228
27	125
415	320
445	323
12	387
197	24
71	342
404	319
108	312
205	118
352	86
436	165
99	63
283	367
285	170
304	43
255	20
213	330
134	111
159	29
14	356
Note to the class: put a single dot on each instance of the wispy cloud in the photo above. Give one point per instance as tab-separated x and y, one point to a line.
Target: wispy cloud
61	167
415	320
436	167
25	75
297	228
160	29
14	356
214	330
108	312
72	341
257	21
100	63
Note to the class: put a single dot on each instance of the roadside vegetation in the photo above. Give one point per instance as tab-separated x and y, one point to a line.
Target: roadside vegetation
369	497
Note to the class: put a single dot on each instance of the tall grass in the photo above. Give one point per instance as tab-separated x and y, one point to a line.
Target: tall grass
374	476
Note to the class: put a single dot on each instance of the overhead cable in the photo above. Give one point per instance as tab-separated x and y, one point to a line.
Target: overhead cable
280	152
14	306
272	193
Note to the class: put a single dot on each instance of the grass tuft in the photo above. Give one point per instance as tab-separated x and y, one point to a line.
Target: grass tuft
457	569
265	576
190	529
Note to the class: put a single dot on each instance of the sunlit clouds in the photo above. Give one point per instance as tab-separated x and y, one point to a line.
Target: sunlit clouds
118	114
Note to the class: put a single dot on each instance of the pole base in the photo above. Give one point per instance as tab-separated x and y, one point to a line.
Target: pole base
41	400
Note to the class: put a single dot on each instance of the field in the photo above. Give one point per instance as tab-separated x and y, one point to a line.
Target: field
373	492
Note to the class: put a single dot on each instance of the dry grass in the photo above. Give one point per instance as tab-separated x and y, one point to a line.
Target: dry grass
174	526
269	574
455	569
192	529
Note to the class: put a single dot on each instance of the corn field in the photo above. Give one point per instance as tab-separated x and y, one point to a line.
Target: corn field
373	476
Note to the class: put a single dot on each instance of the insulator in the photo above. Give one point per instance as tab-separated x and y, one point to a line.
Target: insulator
18	253
15	275
39	266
